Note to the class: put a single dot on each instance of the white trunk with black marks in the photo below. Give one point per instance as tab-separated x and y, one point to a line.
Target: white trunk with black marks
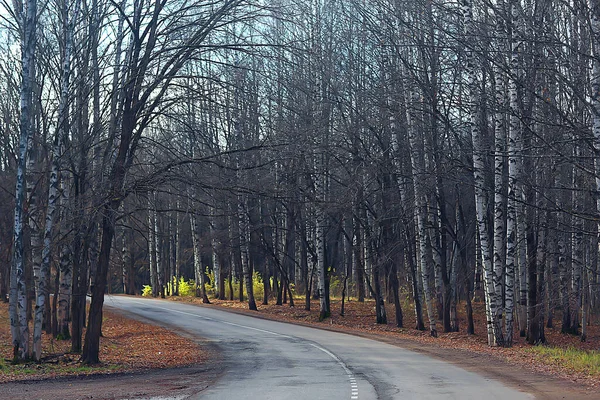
418	173
514	173
479	154
53	195
18	290
198	270
584	302
577	248
125	260
65	267
177	249
214	242
499	198
522	263
454	290
563	274
35	215
244	225
320	223
152	249
160	270
196	249
436	257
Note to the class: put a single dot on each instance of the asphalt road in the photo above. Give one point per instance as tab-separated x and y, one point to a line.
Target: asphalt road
272	360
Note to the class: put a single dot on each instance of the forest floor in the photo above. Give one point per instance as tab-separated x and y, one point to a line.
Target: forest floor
127	346
544	368
142	360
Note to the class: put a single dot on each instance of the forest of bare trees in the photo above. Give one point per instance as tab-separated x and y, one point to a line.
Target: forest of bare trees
425	153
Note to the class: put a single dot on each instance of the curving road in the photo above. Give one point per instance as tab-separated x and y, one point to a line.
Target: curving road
273	360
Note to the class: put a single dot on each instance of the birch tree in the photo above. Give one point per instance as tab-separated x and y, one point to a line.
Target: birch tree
27	22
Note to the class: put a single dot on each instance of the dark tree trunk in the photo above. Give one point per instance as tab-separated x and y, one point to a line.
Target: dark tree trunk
266	285
535	332
396	295
91	347
381	317
419	324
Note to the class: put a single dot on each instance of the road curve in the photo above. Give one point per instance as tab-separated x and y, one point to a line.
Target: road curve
274	360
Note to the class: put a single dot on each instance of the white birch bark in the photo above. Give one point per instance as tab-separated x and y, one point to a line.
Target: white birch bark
18	291
479	152
320	224
53	195
522	265
198	270
244	226
514	173
576	249
35	215
418	173
160	267
126	261
65	268
152	249
177	249
214	242
499	157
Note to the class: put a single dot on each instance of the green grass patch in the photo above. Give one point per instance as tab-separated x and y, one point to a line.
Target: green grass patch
585	361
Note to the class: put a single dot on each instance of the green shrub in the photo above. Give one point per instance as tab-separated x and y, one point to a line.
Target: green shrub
147	291
336	284
211	289
236	287
257	286
187	288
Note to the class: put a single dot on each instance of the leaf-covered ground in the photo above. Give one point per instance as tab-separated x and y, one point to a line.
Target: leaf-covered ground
360	318
127	345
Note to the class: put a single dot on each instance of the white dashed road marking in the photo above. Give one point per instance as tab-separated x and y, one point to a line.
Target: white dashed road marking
353	385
